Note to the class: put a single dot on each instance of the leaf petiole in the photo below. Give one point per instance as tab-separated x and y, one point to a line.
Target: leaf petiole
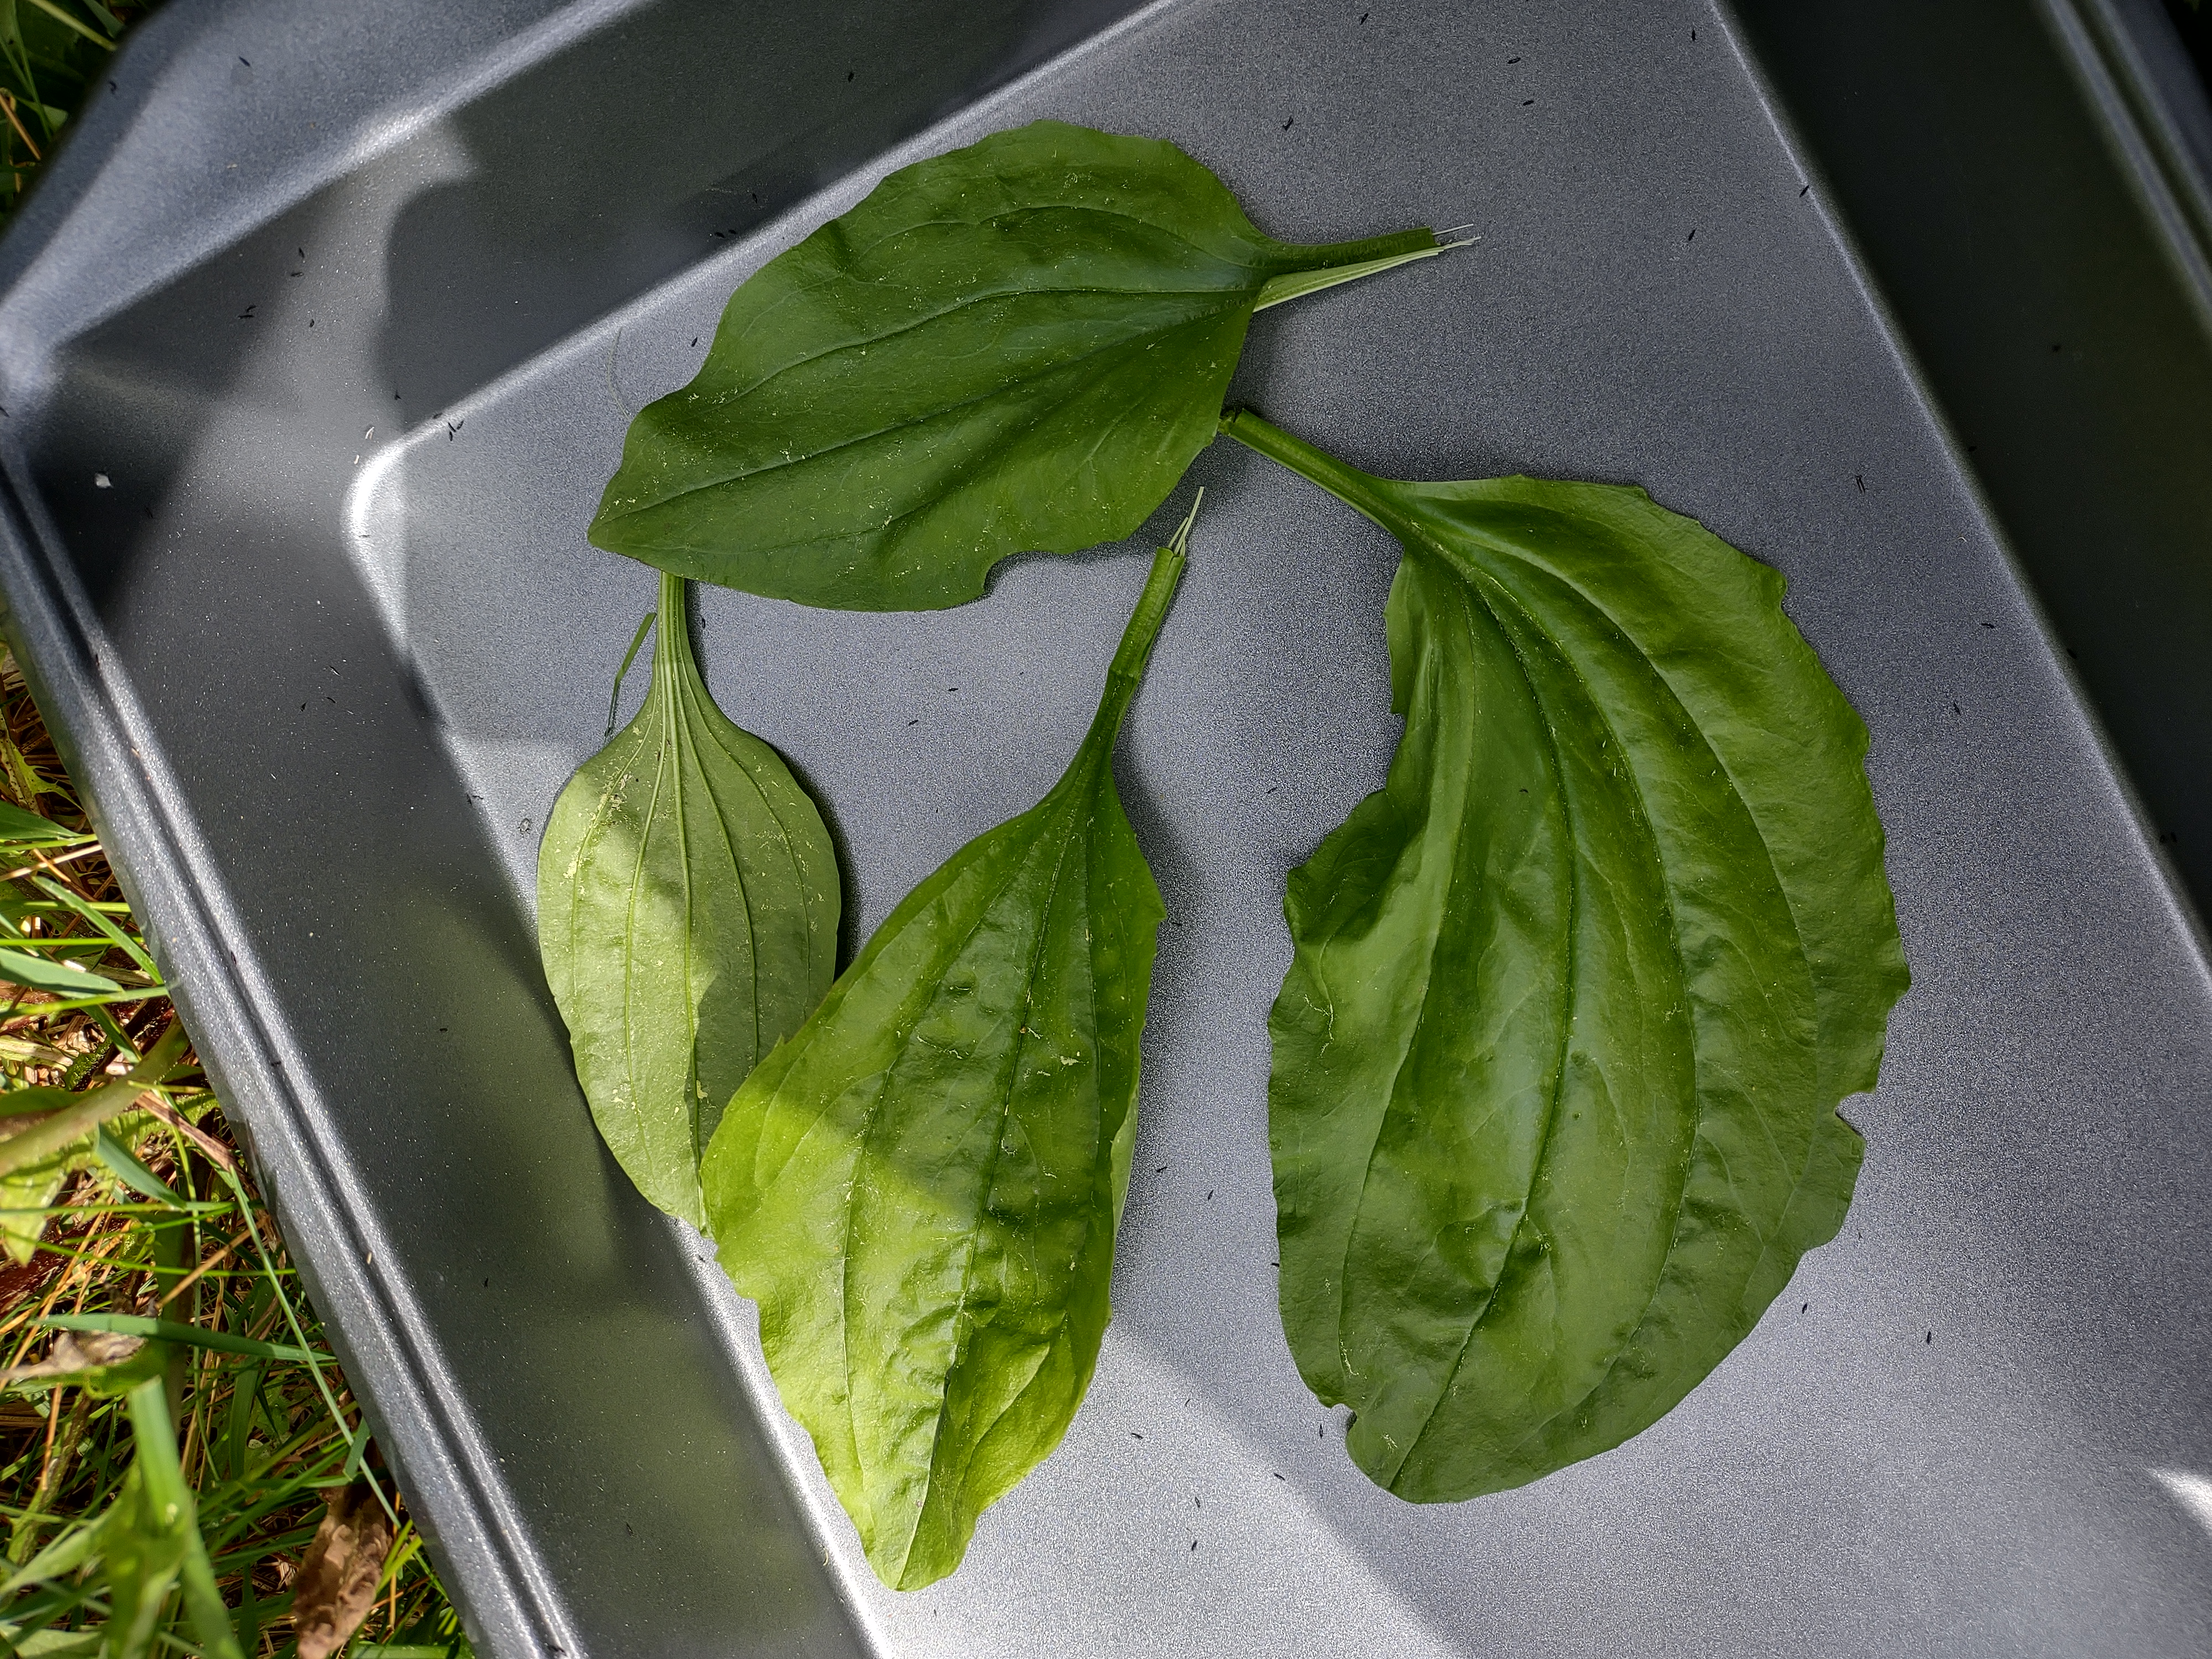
1296	284
1355	488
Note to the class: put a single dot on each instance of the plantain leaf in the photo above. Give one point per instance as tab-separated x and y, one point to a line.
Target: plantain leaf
687	916
1018	346
921	1187
1575	993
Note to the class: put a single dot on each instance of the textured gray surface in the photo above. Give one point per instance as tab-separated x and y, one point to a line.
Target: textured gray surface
325	704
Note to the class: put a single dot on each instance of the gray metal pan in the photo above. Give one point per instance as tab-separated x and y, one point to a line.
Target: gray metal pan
350	307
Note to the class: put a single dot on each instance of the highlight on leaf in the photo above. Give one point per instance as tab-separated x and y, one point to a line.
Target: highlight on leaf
1576	994
1018	346
687	916
922	1186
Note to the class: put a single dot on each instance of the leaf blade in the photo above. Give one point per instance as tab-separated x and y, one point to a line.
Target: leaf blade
1018	346
1609	1134
688	899
921	1187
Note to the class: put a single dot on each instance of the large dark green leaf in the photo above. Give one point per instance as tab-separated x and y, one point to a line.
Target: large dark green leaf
1017	346
921	1187
1577	993
687	916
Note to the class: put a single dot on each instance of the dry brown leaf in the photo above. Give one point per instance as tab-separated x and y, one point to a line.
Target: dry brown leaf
337	1579
76	1351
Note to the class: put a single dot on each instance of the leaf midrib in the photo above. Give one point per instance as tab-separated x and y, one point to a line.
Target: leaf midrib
846	1255
1023	1036
1000	389
1571	988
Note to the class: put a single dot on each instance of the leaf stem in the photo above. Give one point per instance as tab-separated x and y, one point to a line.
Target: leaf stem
671	651
1341	479
1128	670
1294	284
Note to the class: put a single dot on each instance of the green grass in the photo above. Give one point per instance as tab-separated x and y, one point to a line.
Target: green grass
52	54
140	1255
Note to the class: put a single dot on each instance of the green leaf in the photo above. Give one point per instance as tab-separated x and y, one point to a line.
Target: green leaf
151	1543
19	828
21	968
1018	346
1576	994
124	1165
687	916
168	1330
921	1187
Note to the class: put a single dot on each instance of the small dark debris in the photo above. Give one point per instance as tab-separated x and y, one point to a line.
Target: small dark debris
302	252
951	687
1286	125
1133	1435
1525	102
395	396
243	61
1989	624
110	86
303	708
1954	708
848	74
1692	237
914	722
2069	651
247	313
1803	193
296	273
311	322
1193	1547
149	512
1209	1194
2057	347
1194	1498
1806	1309
695	339
1859	479
1162	1169
1693	34
1272	791
487	1283
1513	60
1321	1430
1278	1477
1931	1339
1363	16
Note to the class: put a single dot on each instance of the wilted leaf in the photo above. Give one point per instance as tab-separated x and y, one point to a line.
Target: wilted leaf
338	1580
